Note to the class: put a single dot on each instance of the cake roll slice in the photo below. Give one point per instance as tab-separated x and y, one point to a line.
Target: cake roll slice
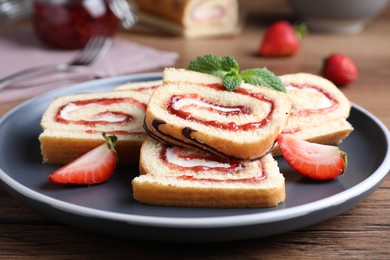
319	111
146	87
190	18
73	125
176	176
193	109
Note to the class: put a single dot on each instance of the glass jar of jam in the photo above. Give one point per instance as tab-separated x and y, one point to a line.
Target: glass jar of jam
68	24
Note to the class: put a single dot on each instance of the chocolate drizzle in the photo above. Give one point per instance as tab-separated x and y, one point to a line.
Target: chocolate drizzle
155	124
163	137
186	132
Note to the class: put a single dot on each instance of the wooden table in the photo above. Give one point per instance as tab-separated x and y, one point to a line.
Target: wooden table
361	232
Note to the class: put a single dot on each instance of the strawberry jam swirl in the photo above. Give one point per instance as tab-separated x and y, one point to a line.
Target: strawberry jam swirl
68	113
146	88
179	105
191	160
327	102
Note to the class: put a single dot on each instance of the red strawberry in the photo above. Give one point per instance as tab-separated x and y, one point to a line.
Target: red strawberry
339	69
316	161
282	39
95	166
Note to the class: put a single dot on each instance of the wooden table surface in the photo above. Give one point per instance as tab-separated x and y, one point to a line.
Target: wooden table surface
362	232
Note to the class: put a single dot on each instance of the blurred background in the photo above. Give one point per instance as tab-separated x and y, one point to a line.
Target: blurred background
325	16
189	28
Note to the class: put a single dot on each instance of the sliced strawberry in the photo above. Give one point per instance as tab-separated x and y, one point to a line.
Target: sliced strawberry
95	166
316	161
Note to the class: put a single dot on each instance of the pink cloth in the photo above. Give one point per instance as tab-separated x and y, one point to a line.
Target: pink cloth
19	49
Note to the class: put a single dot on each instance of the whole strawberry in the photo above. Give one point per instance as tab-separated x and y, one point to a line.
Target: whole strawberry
339	69
282	39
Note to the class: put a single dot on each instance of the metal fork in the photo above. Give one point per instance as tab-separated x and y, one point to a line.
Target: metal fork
96	47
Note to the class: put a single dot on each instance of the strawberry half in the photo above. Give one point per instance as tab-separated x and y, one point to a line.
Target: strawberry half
96	166
316	161
282	39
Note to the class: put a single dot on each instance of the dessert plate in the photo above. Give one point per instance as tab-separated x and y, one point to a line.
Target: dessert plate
109	207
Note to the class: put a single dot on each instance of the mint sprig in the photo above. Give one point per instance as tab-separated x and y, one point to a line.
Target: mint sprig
224	67
263	77
227	68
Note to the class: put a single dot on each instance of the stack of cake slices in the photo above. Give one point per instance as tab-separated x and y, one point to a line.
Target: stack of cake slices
209	147
202	146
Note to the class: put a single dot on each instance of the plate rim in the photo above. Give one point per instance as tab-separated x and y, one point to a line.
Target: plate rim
198	222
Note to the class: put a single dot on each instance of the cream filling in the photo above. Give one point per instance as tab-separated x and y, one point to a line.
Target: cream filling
322	101
190	101
172	158
258	110
205	12
71	108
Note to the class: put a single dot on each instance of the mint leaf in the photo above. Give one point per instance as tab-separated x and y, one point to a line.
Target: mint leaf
224	67
209	64
229	64
263	77
227	68
232	82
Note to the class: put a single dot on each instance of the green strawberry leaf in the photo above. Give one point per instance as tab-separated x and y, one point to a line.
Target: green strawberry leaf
301	30
110	140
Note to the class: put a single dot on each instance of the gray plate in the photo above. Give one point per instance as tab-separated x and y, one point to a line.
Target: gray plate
109	208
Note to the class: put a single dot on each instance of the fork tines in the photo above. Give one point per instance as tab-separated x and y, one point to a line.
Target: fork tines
97	46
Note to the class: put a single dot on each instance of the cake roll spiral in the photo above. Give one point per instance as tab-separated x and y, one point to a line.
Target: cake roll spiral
176	176
319	112
73	125
193	109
